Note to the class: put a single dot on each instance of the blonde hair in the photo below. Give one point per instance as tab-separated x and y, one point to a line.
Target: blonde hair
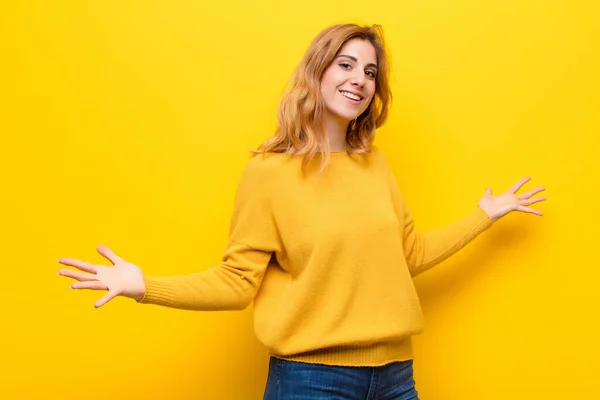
300	130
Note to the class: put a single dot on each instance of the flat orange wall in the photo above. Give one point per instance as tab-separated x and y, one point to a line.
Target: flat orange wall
127	123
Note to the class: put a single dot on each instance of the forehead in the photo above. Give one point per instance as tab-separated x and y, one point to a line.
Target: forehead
361	49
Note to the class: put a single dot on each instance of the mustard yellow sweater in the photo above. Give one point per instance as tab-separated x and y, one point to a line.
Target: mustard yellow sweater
327	259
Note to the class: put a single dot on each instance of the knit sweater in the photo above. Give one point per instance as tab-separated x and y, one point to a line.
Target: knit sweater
328	260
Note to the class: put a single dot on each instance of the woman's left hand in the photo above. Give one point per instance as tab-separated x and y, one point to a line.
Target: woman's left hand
498	206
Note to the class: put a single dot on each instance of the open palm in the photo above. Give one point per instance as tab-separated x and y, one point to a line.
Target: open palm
498	206
120	279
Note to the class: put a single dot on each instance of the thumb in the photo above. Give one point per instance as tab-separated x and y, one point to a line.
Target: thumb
488	191
106	298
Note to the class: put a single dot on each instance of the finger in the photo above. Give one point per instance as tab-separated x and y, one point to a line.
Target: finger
106	298
92	285
532	201
80	276
82	265
108	254
515	188
530	193
529	210
488	191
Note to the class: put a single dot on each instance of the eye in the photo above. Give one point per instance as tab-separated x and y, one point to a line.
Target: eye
344	65
372	74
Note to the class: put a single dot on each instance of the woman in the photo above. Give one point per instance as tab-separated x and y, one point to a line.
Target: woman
320	238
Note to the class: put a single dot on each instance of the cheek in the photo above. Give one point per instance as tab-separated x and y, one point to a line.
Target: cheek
331	79
372	92
325	84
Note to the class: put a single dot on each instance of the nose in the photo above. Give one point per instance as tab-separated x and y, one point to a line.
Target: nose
358	79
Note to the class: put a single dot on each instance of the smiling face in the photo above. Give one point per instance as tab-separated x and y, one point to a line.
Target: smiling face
348	84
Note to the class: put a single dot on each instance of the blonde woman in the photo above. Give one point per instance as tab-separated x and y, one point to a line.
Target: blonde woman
321	239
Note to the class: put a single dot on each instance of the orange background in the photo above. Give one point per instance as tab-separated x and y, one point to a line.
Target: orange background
128	123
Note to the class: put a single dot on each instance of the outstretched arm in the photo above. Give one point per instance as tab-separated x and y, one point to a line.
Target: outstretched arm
231	285
424	250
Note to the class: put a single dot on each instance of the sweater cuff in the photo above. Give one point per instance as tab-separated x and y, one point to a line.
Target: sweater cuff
480	220
158	292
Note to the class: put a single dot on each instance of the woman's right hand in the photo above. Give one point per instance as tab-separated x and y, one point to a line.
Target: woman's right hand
121	279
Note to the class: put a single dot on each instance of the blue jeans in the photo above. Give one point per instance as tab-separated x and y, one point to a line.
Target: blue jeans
290	380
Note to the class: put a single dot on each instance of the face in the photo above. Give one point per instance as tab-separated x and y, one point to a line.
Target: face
348	84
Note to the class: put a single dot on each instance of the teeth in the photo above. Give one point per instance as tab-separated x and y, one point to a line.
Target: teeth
351	96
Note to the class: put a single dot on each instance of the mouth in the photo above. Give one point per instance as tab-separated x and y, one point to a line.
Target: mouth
351	97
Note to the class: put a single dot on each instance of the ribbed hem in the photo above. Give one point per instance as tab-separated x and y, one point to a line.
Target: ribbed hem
366	356
158	292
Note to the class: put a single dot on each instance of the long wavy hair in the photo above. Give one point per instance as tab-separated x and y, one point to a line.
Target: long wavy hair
300	117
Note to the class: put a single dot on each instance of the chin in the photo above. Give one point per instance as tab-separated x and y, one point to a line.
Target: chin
347	116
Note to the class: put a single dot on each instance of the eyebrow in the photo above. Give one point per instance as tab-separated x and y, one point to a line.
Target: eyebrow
355	60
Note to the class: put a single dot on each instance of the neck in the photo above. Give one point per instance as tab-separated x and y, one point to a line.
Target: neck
336	128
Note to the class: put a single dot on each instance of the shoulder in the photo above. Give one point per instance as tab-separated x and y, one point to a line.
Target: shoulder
378	158
261	171
264	165
376	152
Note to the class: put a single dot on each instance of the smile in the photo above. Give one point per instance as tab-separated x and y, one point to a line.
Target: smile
350	96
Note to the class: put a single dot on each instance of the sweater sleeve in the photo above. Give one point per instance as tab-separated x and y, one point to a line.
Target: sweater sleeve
233	284
424	250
